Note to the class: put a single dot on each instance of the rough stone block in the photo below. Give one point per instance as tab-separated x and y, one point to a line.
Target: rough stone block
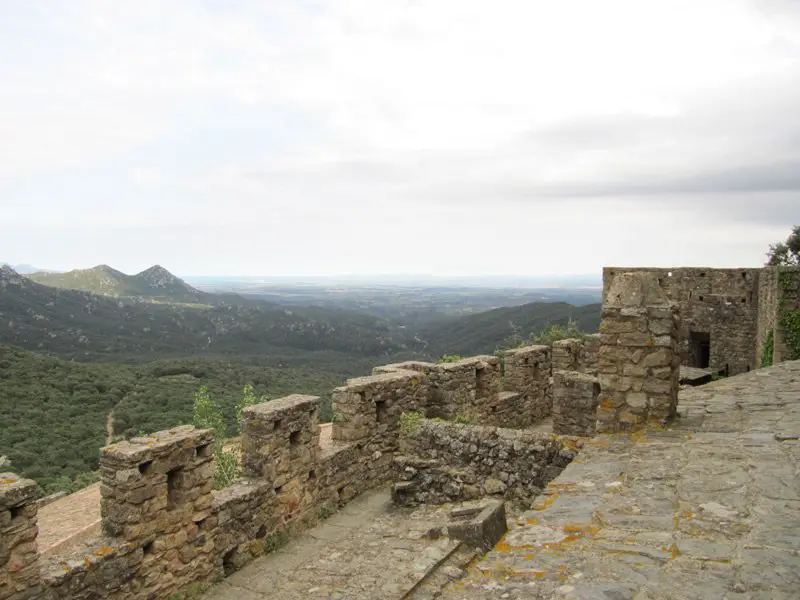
280	438
637	360
19	574
152	484
575	402
480	526
527	370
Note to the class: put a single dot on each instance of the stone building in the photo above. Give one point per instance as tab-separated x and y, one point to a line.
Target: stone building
728	315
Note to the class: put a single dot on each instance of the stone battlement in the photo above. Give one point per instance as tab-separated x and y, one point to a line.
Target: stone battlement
164	527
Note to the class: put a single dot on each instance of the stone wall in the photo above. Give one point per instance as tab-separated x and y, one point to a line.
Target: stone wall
448	462
164	528
575	401
577	354
721	305
18	530
525	371
639	356
513	392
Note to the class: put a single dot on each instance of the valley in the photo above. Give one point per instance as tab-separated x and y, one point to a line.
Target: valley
93	355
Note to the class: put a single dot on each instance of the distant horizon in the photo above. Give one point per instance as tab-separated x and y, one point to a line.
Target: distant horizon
29	268
333	276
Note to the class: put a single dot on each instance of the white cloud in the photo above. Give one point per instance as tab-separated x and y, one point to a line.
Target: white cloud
619	122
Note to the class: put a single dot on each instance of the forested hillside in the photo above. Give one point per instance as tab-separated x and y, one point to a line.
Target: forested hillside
484	332
84	326
55	413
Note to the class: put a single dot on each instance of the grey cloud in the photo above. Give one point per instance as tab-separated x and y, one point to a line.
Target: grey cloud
783	176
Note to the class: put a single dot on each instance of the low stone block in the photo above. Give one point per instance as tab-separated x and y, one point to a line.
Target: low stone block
480	526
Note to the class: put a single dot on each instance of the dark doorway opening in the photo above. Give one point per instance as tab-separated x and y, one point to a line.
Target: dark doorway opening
701	348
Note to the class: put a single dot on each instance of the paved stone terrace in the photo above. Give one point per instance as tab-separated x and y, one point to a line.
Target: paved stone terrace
708	508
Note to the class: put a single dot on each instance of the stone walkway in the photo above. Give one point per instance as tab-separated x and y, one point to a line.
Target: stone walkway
708	508
367	550
69	521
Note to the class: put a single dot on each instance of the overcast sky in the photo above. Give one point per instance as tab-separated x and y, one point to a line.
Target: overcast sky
282	137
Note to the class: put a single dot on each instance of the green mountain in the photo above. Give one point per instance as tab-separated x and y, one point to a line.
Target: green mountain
484	332
155	283
84	326
56	414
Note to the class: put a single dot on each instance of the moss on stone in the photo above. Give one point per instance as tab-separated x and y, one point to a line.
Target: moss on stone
769	348
789	320
409	422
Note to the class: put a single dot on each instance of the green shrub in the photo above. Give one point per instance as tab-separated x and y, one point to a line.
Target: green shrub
275	540
769	349
449	358
409	422
546	337
207	415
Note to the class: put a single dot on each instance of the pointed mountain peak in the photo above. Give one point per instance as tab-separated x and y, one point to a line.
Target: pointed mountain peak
108	271
158	277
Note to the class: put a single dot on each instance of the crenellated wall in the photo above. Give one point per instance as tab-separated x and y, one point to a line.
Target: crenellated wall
18	531
164	527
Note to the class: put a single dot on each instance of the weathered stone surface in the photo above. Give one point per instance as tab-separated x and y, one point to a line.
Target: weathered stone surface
697	510
368	550
734	309
281	438
18	530
575	401
448	462
638	371
481	526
